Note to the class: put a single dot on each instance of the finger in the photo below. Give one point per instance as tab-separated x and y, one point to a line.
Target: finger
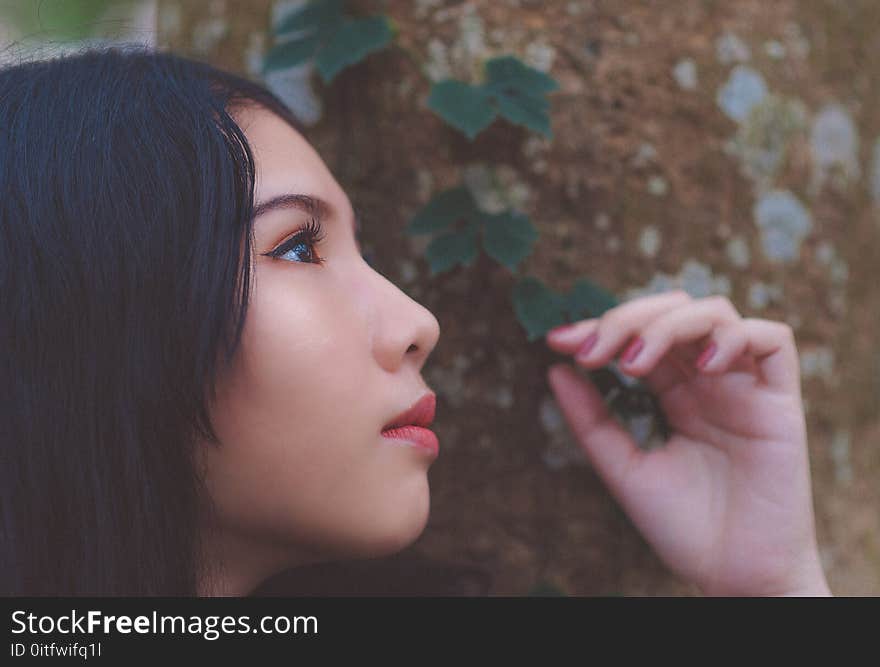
774	348
722	351
725	350
686	324
611	450
568	339
572	339
763	347
626	317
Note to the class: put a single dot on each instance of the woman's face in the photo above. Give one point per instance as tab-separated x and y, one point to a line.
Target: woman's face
330	354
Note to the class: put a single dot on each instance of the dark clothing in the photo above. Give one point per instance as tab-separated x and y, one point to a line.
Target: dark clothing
403	574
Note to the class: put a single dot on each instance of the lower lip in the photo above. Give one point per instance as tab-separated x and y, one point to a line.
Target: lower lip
418	436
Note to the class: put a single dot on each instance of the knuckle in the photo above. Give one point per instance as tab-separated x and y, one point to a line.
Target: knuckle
613	319
779	327
785	330
723	302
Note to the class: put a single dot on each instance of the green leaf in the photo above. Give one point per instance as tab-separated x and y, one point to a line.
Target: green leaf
353	41
519	91
537	307
321	31
530	112
512	88
443	210
291	52
316	15
587	299
540	309
447	250
508	237
463	106
507	71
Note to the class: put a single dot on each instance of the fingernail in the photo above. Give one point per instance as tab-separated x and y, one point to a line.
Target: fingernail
707	354
632	350
588	344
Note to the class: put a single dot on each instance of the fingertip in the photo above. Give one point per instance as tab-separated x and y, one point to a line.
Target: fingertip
555	340
567	335
561	329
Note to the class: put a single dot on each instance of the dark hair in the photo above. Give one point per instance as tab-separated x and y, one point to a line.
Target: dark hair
125	242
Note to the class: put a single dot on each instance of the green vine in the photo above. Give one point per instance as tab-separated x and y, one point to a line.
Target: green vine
512	89
507	237
323	32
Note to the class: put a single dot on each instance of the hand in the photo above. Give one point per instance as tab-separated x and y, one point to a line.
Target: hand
726	503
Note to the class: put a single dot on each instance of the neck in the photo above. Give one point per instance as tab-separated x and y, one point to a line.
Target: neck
234	565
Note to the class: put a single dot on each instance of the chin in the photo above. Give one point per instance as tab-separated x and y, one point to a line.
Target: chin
404	526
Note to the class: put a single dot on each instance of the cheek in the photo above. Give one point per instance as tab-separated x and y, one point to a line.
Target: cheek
299	354
301	459
280	409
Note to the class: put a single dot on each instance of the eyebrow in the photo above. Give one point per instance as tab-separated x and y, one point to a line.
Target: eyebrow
312	205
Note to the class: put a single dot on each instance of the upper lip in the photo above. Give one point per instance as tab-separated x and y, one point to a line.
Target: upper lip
420	414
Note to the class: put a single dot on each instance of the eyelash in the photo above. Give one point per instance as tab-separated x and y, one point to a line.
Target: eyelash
311	234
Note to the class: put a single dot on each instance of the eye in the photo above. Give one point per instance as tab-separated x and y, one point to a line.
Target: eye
302	243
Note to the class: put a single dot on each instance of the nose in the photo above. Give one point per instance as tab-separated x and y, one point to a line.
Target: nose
405	331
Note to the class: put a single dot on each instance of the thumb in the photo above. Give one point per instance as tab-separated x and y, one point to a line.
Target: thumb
611	450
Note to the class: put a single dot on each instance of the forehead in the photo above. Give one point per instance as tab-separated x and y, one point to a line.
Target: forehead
285	161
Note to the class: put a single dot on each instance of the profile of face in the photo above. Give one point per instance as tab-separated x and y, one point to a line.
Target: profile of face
331	352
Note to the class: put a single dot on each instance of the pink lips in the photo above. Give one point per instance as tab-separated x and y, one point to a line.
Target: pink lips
419	436
410	425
